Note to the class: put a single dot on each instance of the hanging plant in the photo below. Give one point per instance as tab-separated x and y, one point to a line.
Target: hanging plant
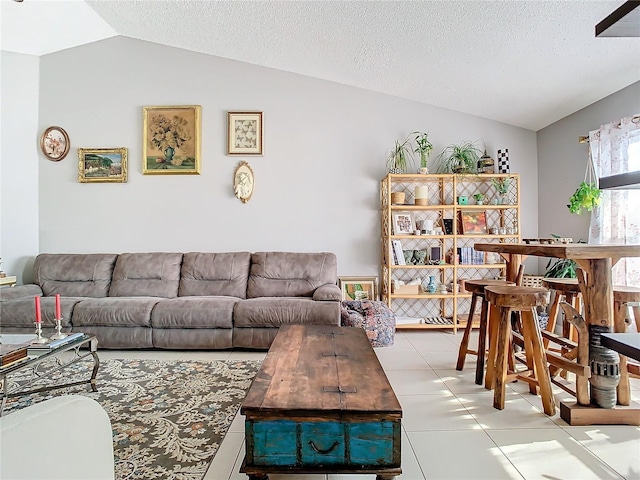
587	195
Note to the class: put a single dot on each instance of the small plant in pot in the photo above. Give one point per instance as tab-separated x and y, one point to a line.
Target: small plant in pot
399	157
423	147
479	197
586	196
502	187
460	159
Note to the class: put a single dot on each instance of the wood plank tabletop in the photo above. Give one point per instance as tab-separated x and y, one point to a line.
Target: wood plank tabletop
307	368
571	250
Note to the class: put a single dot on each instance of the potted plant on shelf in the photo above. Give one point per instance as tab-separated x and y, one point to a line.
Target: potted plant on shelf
460	159
399	157
423	147
479	198
502	187
587	196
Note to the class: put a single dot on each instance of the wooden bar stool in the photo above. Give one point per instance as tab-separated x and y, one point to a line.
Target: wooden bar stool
476	287
504	300
622	297
566	289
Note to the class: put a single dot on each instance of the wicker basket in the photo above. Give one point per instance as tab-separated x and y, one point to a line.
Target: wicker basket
532	281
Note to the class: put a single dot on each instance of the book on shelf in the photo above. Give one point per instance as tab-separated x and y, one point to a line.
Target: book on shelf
399	254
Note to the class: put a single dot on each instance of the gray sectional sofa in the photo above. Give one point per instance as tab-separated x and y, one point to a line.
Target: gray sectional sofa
178	301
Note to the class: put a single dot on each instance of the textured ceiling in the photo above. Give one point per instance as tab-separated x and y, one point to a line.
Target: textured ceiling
526	63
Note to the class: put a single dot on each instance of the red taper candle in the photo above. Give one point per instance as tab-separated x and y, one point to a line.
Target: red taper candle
38	312
58	315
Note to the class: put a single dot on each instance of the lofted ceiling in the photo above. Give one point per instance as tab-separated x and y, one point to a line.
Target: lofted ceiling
527	63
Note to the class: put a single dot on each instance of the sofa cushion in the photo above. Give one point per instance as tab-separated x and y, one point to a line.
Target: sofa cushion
21	312
276	311
114	312
74	275
222	274
194	312
286	274
146	275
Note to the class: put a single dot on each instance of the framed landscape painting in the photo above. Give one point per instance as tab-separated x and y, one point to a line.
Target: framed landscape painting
171	140
99	165
358	288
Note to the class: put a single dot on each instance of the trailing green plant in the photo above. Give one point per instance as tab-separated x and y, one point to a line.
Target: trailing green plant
423	147
400	157
461	159
587	196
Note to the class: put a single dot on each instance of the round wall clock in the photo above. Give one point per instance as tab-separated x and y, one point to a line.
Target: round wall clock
55	143
243	182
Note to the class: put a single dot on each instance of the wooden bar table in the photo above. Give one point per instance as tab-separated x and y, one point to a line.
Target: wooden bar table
596	287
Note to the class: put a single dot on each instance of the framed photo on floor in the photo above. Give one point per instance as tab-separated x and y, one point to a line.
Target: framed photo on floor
358	288
171	140
473	222
101	165
245	133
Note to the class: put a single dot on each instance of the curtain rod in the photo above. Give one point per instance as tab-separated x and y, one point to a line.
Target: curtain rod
585	139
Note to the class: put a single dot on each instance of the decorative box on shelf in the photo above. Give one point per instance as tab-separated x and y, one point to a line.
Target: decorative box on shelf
406	289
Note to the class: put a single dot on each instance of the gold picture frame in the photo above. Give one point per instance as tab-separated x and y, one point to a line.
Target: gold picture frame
243	182
359	288
245	133
171	140
102	165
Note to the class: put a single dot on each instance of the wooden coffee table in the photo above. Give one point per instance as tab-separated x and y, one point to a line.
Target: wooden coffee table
321	403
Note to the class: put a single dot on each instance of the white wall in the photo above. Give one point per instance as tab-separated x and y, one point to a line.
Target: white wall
562	161
317	186
19	239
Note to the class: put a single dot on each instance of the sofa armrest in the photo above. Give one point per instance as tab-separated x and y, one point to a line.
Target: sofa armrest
21	291
327	293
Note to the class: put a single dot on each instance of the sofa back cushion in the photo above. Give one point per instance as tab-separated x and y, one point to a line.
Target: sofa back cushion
287	274
146	275
223	274
74	275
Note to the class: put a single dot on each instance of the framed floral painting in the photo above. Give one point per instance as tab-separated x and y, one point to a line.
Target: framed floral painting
171	143
245	133
473	222
101	165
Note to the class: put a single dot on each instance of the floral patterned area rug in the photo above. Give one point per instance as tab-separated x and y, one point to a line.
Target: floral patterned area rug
168	417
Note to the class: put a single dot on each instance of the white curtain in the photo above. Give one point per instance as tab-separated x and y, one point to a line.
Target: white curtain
615	148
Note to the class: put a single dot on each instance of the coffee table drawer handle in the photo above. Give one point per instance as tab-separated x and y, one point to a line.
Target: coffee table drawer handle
324	452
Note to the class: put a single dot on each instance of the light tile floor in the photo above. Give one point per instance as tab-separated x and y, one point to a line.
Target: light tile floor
451	430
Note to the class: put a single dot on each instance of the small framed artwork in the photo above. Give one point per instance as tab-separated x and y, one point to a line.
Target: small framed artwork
245	133
243	182
447	226
171	140
473	222
54	143
358	288
403	223
99	165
